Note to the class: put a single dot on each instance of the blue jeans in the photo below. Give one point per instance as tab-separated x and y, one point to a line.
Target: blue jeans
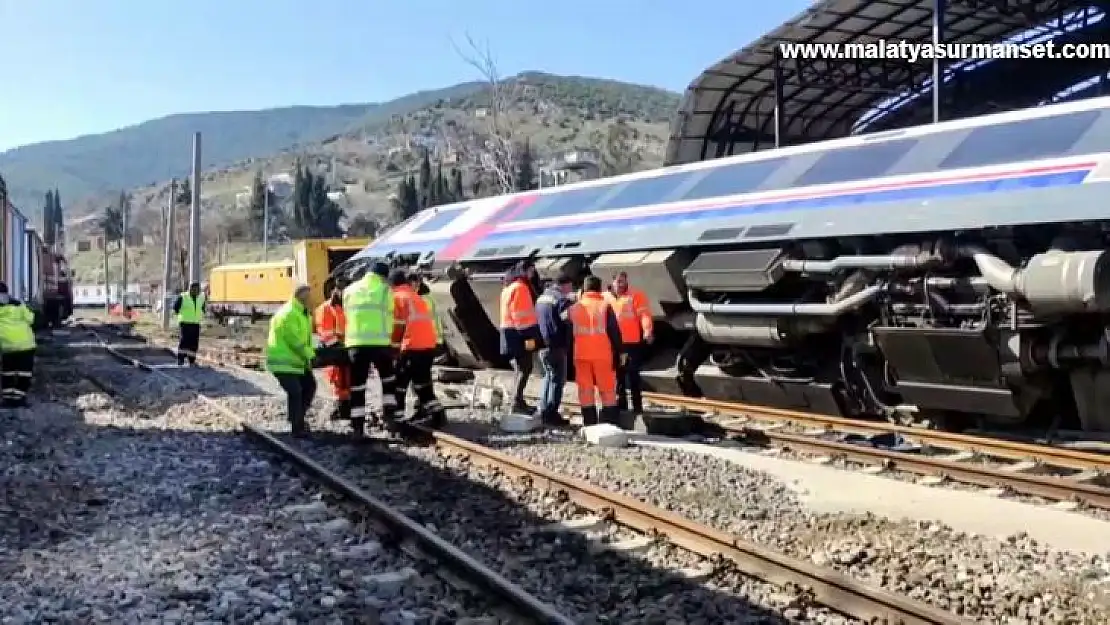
554	363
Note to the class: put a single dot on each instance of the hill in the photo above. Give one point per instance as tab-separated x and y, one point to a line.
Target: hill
159	149
366	159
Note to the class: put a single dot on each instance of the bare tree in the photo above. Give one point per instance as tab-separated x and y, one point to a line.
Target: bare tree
500	154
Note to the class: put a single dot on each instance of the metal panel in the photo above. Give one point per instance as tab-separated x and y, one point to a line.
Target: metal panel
17	285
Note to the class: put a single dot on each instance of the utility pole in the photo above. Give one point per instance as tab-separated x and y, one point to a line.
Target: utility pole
194	218
167	260
266	221
126	210
107	281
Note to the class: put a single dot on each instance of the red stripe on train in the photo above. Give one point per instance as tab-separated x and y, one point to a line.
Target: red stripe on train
467	241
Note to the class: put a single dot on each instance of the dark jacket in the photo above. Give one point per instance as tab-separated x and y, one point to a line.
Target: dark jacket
551	311
613	329
512	340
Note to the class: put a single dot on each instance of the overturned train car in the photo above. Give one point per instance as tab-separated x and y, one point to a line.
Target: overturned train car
952	273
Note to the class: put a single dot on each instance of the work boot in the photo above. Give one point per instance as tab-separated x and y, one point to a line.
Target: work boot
589	415
358	427
554	419
611	415
345	409
298	427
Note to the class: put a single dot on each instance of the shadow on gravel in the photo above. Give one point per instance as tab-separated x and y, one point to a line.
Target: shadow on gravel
563	569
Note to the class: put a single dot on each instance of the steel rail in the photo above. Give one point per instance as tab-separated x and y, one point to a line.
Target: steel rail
473	570
1046	454
828	587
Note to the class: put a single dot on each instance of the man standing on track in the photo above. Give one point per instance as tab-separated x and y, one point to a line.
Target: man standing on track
552	312
17	349
597	346
369	308
414	335
634	317
331	323
190	308
289	355
520	332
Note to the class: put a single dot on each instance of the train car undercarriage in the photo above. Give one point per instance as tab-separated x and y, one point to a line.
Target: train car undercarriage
1001	327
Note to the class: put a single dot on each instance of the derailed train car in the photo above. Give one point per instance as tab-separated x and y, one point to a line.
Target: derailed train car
953	272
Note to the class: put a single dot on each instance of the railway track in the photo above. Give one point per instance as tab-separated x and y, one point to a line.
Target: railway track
1075	477
390	521
1070	477
823	586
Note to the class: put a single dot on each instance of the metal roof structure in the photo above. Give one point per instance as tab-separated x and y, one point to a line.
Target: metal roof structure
754	99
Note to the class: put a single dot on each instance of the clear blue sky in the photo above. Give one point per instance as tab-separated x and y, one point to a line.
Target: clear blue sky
75	67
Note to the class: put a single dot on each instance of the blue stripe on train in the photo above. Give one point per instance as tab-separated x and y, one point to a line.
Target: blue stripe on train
912	194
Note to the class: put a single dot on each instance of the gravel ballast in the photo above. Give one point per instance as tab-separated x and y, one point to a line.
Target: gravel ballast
985	580
138	505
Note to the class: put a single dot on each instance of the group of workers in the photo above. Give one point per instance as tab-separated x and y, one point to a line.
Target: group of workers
604	333
385	321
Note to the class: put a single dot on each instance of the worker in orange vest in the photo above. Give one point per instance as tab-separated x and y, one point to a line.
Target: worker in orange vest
414	335
331	322
634	317
597	351
520	330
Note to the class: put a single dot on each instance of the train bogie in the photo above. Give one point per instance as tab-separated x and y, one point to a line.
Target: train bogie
956	272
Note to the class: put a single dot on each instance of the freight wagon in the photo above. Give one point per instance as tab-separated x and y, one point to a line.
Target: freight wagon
32	271
259	289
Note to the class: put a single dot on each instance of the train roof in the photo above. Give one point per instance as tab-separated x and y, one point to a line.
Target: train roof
681	195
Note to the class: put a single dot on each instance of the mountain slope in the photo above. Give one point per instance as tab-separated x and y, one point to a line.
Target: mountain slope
160	149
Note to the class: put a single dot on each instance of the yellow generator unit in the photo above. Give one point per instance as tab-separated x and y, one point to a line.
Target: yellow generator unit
259	289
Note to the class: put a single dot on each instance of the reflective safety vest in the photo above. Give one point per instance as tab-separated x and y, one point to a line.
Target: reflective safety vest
368	306
414	328
192	311
331	323
431	304
16	331
588	319
518	311
289	344
633	315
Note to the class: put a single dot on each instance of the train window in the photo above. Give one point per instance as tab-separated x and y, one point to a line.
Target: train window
440	220
288	271
864	161
646	191
564	203
1021	140
733	179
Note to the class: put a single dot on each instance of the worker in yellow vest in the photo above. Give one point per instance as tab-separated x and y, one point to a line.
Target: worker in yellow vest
17	349
190	308
289	355
369	308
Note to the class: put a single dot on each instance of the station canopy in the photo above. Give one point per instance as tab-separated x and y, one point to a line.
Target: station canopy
730	108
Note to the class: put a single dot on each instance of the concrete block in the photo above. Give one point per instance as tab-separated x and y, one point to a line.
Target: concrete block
518	423
605	435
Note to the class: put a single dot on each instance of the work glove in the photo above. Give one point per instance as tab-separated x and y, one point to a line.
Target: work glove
624	359
649	339
529	345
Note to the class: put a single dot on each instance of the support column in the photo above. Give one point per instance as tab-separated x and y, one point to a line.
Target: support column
194	217
939	8
780	114
167	260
